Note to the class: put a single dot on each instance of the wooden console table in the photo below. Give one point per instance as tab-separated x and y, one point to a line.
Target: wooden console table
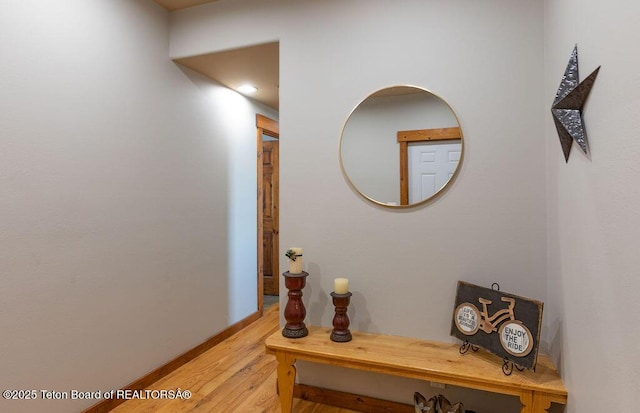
418	359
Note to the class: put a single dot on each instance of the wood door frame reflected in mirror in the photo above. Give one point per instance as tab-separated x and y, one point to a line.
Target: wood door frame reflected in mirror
419	136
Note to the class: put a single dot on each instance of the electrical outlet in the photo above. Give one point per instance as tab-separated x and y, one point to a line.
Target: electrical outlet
437	385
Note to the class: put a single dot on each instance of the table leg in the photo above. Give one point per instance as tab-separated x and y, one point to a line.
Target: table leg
533	402
541	403
526	399
286	380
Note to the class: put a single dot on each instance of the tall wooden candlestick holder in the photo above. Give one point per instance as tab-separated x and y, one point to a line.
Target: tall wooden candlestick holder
295	312
340	332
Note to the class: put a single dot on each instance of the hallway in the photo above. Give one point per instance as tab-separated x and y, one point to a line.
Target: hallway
234	376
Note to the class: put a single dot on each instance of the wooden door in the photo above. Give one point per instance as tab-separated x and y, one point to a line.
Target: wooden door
270	228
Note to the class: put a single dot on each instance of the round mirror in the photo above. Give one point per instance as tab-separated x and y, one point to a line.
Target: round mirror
401	146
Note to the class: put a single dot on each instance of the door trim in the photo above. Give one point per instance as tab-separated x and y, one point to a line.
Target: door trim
269	127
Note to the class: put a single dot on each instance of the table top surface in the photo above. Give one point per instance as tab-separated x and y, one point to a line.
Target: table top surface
411	355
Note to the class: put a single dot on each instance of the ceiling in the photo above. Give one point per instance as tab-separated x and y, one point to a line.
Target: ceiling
254	65
397	91
181	4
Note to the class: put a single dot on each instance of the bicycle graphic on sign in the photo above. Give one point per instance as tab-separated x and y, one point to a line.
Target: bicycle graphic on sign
515	337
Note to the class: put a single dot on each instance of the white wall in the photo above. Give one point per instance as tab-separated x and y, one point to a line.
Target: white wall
121	227
593	203
484	58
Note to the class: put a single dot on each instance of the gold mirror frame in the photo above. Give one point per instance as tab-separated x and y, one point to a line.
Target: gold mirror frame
404	138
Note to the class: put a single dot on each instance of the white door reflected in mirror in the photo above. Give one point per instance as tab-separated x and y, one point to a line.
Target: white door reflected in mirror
401	146
431	166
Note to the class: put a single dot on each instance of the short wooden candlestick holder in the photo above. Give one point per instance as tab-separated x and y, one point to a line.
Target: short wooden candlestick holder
340	332
295	312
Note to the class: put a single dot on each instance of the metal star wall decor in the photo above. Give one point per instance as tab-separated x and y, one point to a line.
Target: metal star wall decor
568	104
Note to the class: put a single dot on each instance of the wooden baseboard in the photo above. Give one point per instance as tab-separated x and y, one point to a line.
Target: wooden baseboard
157	374
349	400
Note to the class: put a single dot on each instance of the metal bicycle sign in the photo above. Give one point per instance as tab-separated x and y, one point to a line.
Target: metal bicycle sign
507	325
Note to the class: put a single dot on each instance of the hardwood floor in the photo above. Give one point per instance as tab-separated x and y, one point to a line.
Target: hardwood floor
234	376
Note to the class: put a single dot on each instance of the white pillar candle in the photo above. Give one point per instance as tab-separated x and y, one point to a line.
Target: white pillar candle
341	286
295	262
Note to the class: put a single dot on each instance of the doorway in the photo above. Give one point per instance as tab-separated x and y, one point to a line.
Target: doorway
431	166
428	160
268	176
